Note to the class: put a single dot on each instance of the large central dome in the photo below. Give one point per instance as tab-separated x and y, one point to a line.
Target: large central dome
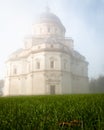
49	24
48	17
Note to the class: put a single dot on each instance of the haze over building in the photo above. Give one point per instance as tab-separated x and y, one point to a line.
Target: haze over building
48	63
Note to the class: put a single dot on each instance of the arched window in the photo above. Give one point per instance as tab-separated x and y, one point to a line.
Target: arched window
65	64
55	29
14	70
48	29
29	67
40	30
37	65
38	47
52	64
52	46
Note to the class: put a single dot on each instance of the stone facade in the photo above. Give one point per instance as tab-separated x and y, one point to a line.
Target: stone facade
48	64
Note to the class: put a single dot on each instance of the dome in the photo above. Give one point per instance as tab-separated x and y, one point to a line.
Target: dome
47	17
48	24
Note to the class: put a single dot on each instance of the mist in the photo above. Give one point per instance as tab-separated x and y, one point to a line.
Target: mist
83	20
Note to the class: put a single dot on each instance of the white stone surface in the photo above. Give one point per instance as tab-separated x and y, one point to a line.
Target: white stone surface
48	64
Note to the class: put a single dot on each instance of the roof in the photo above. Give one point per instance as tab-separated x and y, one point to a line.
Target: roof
47	17
17	51
15	54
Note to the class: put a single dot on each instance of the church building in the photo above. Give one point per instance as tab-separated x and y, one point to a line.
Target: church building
48	63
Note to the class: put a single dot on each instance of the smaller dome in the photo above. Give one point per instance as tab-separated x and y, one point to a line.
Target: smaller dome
48	17
48	24
44	17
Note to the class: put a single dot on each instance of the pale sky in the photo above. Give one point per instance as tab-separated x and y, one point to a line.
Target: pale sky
83	20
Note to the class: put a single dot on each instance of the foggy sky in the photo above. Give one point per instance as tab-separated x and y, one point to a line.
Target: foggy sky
83	20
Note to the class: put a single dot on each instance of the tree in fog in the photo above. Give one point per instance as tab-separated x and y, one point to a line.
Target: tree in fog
97	85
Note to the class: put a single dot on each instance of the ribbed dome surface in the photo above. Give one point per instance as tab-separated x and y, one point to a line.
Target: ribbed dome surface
48	17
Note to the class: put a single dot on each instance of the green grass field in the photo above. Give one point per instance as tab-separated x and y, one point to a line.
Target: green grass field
48	112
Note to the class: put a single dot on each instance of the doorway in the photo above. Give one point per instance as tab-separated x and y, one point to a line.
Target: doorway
52	89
